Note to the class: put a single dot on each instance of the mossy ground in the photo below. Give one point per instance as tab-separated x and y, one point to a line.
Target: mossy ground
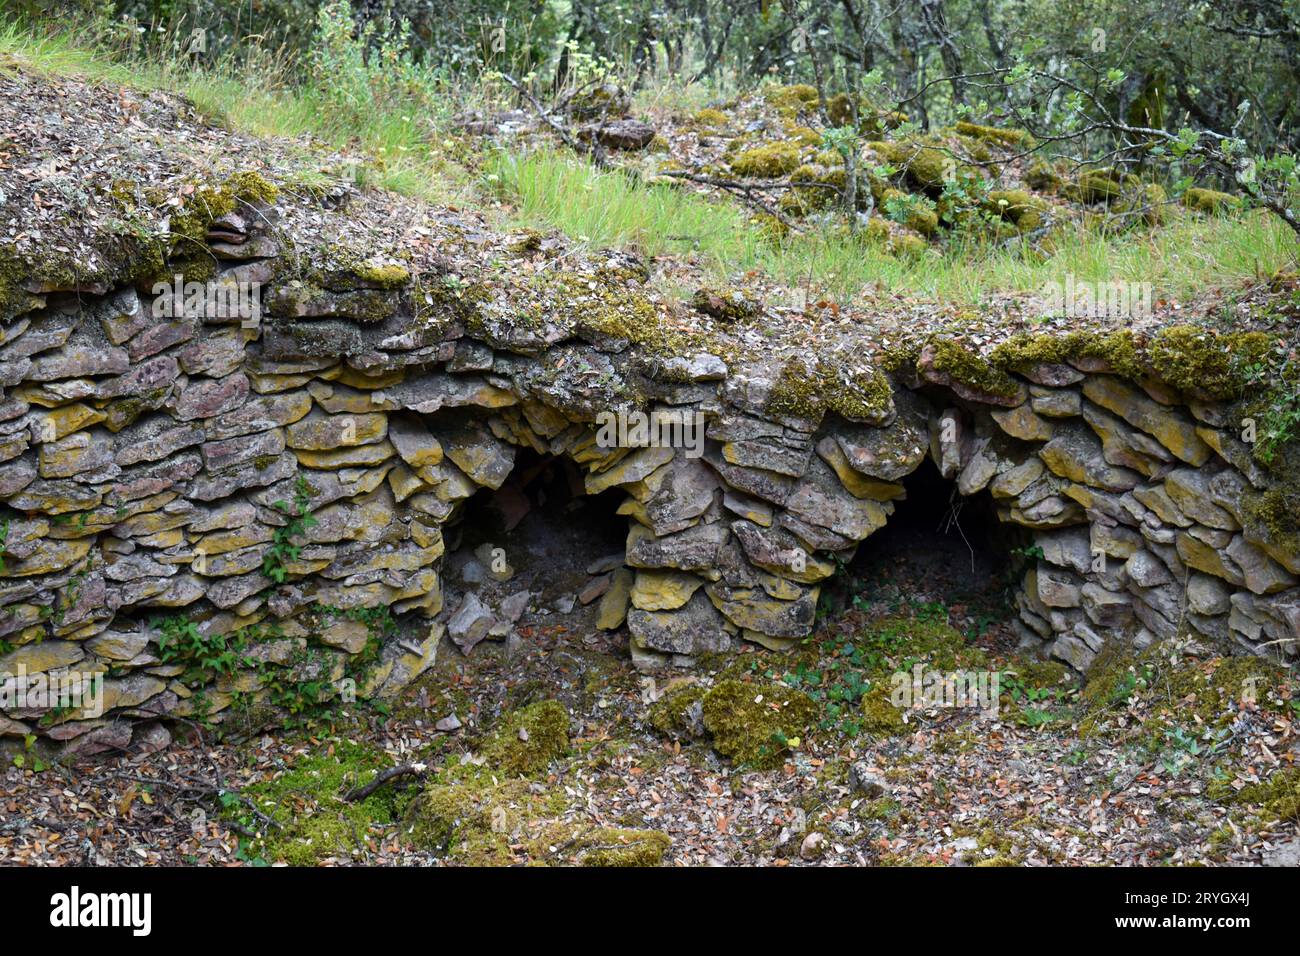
315	823
1178	688
754	724
607	777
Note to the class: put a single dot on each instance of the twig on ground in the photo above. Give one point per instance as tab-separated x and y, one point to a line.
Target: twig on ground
417	770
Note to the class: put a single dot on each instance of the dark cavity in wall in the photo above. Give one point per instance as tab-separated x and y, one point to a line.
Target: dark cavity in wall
534	552
940	546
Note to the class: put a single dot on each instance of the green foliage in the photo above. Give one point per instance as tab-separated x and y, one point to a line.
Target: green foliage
205	657
20	760
1040	692
282	550
1031	552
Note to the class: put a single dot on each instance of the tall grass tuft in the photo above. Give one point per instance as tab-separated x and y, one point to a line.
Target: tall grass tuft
1191	254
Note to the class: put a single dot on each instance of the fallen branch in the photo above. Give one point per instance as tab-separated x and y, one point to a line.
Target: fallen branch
417	770
546	118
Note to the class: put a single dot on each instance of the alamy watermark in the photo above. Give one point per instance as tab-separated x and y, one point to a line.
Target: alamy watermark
924	688
1097	299
665	428
230	299
74	909
61	691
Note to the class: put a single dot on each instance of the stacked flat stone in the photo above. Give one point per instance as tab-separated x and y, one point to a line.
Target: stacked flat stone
145	459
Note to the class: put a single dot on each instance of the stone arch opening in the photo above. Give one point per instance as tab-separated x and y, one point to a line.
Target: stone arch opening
941	544
538	549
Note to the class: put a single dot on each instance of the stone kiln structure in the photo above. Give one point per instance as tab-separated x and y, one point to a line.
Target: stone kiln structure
154	461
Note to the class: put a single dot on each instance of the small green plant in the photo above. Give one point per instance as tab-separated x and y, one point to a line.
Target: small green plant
52	613
204	656
1032	552
20	760
283	550
1181	750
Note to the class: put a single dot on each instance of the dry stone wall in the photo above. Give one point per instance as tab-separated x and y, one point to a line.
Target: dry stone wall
154	461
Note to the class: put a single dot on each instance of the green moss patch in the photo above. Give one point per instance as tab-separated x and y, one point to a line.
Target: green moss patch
756	724
794	97
601	846
994	134
808	393
1194	359
1278	796
495	811
528	739
1119	350
927	166
306	800
671	714
962	365
1210	201
1018	205
1180	690
767	162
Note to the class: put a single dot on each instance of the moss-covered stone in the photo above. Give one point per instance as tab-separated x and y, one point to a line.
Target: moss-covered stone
1272	516
388	275
1099	185
767	162
476	820
528	740
1206	692
808	393
710	118
671	714
1118	349
803	135
928	164
994	134
794	97
756	724
967	367
1043	176
1200	360
919	214
1148	202
1209	201
208	203
1018	205
826	184
907	245
614	309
